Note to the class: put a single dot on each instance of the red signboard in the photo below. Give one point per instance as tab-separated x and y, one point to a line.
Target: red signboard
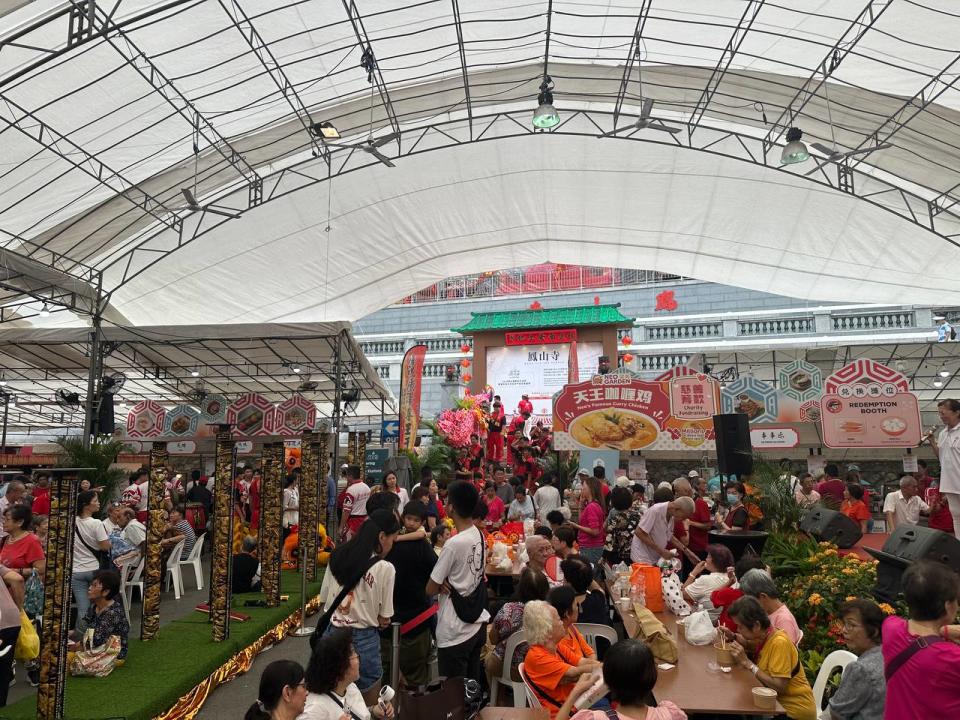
411	381
541	337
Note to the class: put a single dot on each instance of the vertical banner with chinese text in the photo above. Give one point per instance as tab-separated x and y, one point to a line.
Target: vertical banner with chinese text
411	382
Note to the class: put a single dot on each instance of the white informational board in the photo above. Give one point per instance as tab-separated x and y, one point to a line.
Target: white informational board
537	370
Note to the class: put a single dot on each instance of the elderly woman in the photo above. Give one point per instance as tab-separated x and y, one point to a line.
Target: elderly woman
551	665
920	655
331	678
708	575
539	550
532	586
772	658
862	688
759	584
630	672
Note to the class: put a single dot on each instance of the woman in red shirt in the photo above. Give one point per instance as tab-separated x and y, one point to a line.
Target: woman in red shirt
854	507
21	549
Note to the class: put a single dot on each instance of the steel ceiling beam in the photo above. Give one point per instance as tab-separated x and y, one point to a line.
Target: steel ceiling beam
844	45
144	66
265	55
463	62
633	55
356	21
29	124
743	26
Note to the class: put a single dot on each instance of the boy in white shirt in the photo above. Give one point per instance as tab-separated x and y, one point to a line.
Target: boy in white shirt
460	569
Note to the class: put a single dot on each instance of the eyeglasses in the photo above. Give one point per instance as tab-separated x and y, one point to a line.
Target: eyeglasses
847	625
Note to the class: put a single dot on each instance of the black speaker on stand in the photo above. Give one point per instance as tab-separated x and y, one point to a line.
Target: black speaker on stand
831	526
734	450
906	545
104	423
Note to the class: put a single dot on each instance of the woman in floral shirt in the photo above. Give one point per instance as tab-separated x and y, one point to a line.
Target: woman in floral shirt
621	526
105	615
533	585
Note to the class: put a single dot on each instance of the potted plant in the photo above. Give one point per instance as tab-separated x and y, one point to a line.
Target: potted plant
99	457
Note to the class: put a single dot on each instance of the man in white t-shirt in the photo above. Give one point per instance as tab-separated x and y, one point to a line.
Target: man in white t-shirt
354	503
546	498
655	530
903	506
460	568
947	447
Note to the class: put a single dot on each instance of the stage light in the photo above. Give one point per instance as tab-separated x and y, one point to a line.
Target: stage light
326	130
795	151
44	311
546	115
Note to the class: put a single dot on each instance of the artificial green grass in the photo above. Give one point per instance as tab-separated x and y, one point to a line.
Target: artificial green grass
157	673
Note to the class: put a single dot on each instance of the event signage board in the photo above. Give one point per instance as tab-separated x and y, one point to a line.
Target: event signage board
243	447
869	405
181	422
771	437
411	384
182	447
294	415
620	411
756	399
539	371
373	461
145	420
213	409
541	337
252	415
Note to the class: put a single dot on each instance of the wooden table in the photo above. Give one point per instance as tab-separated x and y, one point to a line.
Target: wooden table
512	713
513	572
691	685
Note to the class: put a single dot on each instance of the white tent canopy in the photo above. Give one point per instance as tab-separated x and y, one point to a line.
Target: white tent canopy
98	139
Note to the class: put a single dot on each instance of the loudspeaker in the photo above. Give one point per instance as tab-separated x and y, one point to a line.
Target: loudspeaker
831	526
734	450
907	544
104	422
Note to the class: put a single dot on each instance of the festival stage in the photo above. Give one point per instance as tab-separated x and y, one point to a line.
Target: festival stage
171	676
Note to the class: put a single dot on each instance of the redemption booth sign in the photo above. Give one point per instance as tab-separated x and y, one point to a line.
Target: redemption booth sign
620	411
869	405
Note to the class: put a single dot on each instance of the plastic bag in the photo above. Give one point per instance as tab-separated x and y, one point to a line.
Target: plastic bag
673	595
28	642
699	630
98	661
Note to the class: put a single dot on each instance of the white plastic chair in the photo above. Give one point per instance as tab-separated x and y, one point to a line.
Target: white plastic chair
836	659
532	698
134	580
506	674
591	631
127	571
173	569
194	559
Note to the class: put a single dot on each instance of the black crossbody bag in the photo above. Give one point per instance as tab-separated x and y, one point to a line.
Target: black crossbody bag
102	556
324	620
470	607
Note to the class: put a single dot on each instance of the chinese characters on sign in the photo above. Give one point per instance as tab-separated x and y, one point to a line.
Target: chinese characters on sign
692	398
774	438
541	337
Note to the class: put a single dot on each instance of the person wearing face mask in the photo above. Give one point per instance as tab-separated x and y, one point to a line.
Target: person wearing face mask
737	517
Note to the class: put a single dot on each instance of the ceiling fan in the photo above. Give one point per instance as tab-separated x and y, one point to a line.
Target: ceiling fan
644	122
832	155
372	145
194	206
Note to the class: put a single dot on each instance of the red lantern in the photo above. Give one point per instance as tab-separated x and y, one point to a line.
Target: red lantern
627	340
465	348
627	358
535	305
465	363
596	299
467	377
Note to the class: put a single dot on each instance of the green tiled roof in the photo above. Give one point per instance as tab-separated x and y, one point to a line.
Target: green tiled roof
545	318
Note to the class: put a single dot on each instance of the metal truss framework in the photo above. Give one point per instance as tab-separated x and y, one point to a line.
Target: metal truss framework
920	211
163	371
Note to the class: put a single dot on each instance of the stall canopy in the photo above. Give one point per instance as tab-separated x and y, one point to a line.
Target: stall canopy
179	364
110	111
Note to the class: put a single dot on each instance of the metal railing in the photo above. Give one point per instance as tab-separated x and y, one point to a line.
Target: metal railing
535	281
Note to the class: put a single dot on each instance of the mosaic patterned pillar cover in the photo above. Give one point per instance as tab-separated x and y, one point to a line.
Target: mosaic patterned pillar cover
153	570
56	602
271	515
362	455
351	448
308	504
324	469
222	540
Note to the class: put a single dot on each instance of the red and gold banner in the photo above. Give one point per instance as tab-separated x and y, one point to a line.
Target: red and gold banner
573	366
541	337
411	383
